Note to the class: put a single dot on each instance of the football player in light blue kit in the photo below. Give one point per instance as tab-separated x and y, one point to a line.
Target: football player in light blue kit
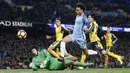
78	35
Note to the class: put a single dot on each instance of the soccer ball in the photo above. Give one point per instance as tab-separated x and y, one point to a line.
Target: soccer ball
21	34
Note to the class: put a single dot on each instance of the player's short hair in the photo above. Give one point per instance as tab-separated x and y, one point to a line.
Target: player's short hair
33	47
58	19
108	27
93	16
81	5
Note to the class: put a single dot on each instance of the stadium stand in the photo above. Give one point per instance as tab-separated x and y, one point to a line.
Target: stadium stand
15	53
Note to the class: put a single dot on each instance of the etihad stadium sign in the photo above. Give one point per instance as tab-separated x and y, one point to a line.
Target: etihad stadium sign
15	24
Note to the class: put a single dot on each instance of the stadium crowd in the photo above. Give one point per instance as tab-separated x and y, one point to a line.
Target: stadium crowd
109	12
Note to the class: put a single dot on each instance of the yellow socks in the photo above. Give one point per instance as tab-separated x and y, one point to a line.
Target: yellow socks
106	61
83	58
54	53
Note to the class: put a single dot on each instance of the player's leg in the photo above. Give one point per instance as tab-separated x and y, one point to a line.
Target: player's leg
85	51
100	47
56	65
119	58
69	60
51	47
73	61
106	61
90	52
101	51
63	44
67	54
81	64
83	46
83	57
58	51
106	56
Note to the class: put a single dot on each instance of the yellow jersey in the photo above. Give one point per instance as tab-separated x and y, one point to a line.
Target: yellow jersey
59	33
93	34
108	39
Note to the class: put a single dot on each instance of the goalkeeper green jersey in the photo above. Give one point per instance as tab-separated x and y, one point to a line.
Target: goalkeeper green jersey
42	55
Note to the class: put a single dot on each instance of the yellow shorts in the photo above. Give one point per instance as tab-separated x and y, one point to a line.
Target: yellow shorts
108	48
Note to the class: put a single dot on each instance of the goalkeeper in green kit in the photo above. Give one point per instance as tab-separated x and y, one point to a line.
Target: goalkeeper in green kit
42	59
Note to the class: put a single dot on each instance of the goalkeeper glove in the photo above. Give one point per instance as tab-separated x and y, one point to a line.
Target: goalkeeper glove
43	64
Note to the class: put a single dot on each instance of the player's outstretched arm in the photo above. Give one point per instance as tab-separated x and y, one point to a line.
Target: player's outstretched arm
47	55
88	28
114	38
66	30
33	66
103	37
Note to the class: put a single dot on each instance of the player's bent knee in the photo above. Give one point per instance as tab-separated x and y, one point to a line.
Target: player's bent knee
63	40
85	51
50	48
66	39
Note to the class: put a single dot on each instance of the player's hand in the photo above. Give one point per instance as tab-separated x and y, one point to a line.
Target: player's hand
86	30
43	64
48	37
102	37
113	42
70	29
31	65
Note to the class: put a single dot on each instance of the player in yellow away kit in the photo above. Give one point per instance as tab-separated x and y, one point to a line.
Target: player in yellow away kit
109	43
59	35
94	39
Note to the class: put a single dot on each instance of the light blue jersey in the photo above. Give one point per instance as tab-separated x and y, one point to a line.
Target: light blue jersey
78	35
80	22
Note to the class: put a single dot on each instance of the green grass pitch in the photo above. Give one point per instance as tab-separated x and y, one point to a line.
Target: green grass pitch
90	70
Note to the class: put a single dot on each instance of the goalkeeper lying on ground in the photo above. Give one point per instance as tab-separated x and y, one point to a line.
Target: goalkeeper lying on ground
42	59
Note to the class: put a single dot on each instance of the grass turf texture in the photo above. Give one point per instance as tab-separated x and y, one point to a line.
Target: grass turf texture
90	70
